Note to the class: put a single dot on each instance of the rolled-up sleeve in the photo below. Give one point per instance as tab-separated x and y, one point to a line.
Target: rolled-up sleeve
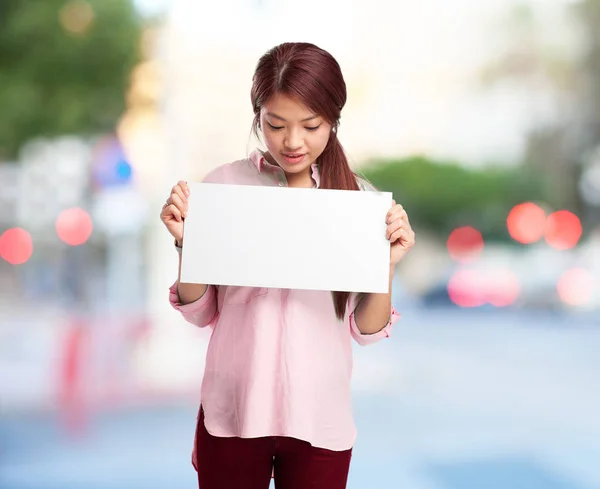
367	339
202	312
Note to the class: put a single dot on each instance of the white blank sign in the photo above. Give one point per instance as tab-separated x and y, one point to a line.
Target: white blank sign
286	238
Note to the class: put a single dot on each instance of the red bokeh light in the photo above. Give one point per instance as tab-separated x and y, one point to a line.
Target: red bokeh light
563	230
74	226
16	246
474	288
503	288
576	286
526	223
465	289
465	244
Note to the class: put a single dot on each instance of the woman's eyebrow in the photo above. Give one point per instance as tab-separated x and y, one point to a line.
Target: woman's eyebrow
275	116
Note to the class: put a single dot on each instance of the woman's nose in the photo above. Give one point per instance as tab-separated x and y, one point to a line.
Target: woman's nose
293	141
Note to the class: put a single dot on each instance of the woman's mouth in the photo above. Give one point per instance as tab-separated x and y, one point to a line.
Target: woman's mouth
293	158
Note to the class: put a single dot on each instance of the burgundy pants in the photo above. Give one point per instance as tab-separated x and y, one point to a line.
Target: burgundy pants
248	463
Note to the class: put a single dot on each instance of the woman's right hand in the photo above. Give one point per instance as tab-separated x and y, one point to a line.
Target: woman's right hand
175	210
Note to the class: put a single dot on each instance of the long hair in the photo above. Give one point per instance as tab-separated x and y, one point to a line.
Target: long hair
312	76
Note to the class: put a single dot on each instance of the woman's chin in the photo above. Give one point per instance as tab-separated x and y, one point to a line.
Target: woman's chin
295	168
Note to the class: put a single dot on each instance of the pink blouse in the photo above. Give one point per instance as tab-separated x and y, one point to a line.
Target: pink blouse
279	362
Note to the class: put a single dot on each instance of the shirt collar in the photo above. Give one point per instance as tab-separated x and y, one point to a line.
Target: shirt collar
257	158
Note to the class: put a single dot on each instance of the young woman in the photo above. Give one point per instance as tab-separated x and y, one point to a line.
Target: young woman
275	397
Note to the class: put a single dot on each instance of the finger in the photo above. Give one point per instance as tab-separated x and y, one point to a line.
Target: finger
394	211
166	210
393	227
400	214
404	216
397	215
172	210
179	191
403	219
178	202
404	236
185	187
400	233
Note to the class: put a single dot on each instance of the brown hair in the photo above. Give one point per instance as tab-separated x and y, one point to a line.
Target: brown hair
312	76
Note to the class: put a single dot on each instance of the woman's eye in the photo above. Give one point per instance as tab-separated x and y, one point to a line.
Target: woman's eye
313	128
275	128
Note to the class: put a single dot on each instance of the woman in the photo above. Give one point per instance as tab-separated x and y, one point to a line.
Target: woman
276	397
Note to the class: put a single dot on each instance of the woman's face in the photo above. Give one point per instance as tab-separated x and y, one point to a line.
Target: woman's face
295	137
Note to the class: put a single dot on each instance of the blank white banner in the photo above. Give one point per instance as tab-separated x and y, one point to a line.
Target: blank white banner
286	238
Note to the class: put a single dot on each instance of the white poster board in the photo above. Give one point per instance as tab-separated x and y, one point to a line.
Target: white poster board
286	238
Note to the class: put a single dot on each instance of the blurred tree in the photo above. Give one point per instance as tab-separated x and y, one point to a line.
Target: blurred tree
562	59
587	69
64	67
585	126
441	196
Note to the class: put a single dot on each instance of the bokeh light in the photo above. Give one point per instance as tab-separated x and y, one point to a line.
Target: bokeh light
503	287
77	16
576	286
465	288
74	226
110	166
465	244
526	223
475	288
563	230
16	246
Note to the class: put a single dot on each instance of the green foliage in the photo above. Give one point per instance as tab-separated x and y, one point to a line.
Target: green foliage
440	196
54	81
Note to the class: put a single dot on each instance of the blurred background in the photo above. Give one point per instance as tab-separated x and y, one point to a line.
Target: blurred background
482	117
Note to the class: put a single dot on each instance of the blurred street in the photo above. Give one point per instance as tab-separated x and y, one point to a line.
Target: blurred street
450	401
481	118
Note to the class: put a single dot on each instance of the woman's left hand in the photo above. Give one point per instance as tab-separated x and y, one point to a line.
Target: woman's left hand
399	232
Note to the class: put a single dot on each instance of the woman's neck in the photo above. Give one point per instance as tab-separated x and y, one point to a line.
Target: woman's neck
300	180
